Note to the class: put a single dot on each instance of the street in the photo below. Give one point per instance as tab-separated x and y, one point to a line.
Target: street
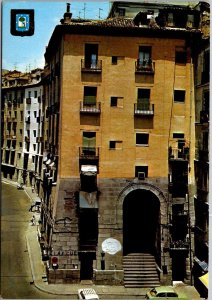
16	277
15	265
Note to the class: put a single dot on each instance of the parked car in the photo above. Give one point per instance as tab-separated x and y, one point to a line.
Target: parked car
88	294
165	292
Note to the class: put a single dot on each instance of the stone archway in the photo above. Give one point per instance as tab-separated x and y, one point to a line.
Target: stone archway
141	219
140	208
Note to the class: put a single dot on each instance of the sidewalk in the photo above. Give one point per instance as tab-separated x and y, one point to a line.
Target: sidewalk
39	276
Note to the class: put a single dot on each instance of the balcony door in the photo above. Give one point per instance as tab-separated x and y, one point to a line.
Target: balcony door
91	55
143	99
89	143
90	95
144	56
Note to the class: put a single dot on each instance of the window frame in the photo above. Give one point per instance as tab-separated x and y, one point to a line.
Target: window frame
142	134
177	96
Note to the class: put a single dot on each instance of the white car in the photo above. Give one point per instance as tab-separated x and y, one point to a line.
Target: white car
88	294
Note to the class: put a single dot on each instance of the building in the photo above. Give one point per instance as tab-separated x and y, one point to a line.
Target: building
201	164
21	108
119	144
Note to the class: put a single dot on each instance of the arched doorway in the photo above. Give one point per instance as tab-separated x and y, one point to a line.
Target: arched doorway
141	222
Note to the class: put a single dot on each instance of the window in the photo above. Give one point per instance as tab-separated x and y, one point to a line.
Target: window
115	145
144	56
170	19
180	57
21	112
33	158
116	101
121	12
35	113
34	133
178	135
91	55
113	101
89	143
114	60
140	169
142	139
29	94
143	99
35	94
20	144
8	143
179	96
206	101
90	95
34	147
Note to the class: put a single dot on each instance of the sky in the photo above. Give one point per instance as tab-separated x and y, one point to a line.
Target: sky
27	53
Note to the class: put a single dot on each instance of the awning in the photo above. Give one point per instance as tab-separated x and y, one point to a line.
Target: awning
204	279
89	170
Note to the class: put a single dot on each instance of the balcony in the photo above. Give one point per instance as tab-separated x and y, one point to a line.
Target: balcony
179	153
144	67
90	108
91	67
143	109
90	153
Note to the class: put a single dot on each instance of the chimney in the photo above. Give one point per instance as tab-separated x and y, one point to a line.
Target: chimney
67	15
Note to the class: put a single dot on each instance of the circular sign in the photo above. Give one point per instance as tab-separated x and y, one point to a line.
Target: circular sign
54	260
111	246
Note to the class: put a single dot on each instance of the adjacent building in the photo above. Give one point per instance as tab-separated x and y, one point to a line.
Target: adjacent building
201	164
21	111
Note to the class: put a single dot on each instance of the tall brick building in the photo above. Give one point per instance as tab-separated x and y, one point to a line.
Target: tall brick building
118	179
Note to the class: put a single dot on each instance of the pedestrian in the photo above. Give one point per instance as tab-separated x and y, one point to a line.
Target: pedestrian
33	220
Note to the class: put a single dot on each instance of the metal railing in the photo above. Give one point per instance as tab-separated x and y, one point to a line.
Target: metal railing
91	66
145	66
90	108
89	152
144	109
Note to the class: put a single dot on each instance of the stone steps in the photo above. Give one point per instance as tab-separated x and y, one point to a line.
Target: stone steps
140	270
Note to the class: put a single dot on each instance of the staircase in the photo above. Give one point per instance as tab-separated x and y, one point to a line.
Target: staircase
140	270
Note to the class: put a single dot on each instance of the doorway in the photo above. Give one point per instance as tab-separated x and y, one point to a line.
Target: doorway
141	223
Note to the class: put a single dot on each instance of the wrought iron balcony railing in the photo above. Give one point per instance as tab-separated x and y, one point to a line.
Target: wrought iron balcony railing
146	67
90	108
89	152
91	66
146	109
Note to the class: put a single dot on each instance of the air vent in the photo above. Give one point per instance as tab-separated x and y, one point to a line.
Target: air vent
141	175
